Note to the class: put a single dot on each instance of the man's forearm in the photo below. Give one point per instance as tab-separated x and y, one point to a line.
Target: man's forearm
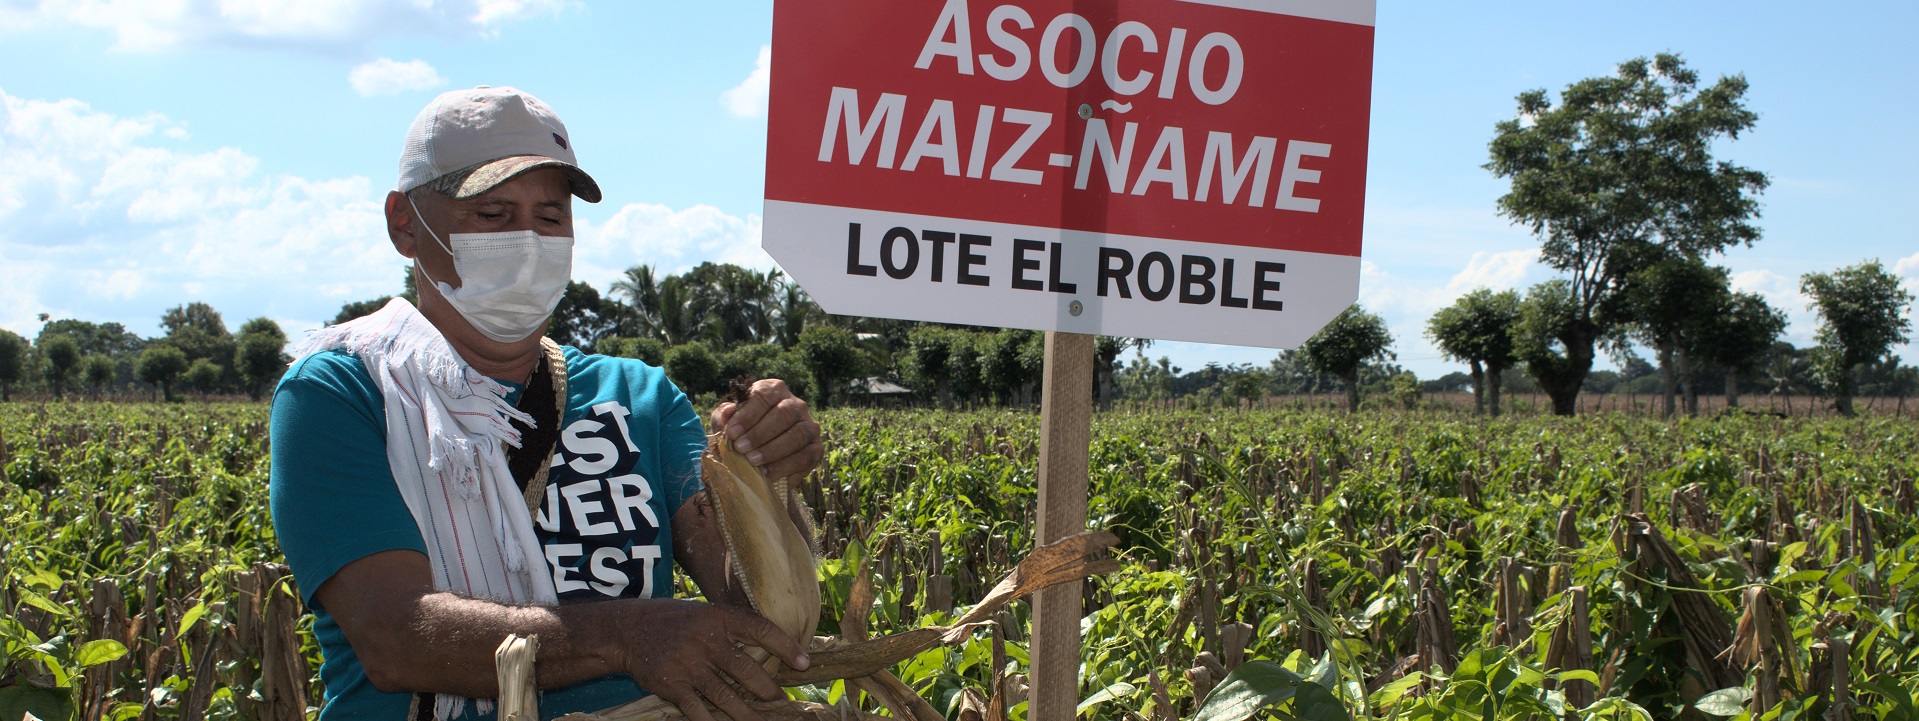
449	642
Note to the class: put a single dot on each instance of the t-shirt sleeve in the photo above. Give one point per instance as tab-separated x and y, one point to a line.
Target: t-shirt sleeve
331	490
682	442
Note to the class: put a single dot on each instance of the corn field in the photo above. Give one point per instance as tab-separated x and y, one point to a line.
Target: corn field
1274	564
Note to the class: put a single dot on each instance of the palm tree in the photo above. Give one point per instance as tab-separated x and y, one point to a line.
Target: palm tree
796	309
642	294
678	321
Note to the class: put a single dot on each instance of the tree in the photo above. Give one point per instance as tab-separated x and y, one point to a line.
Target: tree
1007	366
1477	329
204	375
159	365
1617	177
197	330
1863	313
360	309
650	350
928	350
98	372
1353	338
1548	323
582	318
1669	303
1106	352
1248	384
13	362
796	310
110	339
737	303
61	357
694	368
260	354
833	356
1737	336
642	293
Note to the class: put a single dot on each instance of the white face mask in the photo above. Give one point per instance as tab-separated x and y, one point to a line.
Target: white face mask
509	282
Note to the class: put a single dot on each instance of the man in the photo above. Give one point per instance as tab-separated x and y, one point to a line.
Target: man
411	447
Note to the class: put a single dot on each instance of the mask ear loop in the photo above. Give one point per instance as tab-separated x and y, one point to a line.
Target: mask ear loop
445	290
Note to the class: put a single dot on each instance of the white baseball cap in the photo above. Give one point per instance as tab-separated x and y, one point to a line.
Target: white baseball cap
467	141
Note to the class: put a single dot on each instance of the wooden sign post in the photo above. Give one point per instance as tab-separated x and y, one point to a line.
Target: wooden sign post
1066	434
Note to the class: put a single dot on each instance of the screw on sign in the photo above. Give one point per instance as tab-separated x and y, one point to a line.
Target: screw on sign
1172	169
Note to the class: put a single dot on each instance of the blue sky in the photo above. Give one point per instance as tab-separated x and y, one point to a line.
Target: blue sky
236	152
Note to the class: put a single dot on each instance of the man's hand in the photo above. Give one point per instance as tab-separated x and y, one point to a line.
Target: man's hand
686	650
774	430
412	638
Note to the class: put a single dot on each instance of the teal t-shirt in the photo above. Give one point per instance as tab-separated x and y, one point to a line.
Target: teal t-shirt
627	457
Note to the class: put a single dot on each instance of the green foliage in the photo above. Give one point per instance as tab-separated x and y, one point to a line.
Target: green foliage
1616	177
650	350
1550	337
360	309
204	375
61	357
582	317
98	372
198	331
13	362
1216	512
694	368
831	354
1477	329
1737	334
260	356
160	364
1863	313
1353	338
110	339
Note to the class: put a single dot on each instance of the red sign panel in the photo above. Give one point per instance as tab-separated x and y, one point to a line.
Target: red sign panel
1238	123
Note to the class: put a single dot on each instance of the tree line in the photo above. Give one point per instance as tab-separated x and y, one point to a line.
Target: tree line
197	350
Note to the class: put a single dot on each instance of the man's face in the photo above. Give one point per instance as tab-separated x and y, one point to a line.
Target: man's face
539	200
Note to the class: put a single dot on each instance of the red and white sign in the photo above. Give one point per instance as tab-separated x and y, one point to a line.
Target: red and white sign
1175	169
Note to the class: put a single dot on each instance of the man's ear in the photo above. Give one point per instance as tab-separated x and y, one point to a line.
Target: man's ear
402	226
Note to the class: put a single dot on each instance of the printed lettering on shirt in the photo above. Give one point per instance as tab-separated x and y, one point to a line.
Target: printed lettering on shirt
600	520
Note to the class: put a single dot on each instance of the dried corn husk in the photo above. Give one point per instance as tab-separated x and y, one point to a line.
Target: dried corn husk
773	558
519	695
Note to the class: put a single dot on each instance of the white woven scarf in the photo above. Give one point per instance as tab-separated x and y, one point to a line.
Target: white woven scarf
445	423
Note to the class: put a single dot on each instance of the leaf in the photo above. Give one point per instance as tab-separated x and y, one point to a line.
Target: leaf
42	578
1577	675
192	616
1110	693
1253	686
1318	703
1396	690
43	603
48	704
98	652
1724	702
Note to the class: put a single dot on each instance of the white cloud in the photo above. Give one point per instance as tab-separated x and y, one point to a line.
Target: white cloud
672	241
387	76
1908	268
150	26
1510	270
748	99
101	218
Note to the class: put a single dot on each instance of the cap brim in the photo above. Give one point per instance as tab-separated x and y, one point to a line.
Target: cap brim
486	176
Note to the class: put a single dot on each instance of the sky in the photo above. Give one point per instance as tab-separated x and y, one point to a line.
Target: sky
237	151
